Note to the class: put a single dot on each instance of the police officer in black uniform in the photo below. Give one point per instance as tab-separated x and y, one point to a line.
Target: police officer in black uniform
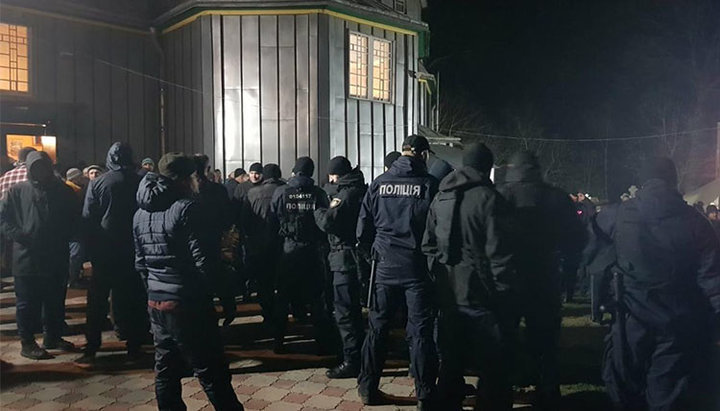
339	221
467	242
392	219
300	268
669	258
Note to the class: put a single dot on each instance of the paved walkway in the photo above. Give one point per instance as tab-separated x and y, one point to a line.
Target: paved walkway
262	380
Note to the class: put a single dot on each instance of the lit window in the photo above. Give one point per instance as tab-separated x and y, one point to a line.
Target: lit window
400	5
369	79
14	71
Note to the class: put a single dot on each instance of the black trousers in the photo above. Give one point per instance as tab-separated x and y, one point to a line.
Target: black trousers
348	314
387	300
189	336
470	336
300	275
40	300
129	303
263	268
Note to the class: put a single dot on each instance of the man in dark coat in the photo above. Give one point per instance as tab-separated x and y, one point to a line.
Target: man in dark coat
467	242
255	176
40	215
168	231
262	243
254	179
669	258
339	221
238	177
107	214
546	227
391	225
300	268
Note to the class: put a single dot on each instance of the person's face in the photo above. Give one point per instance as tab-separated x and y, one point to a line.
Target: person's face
242	178
581	197
148	167
713	216
255	177
93	174
42	172
333	178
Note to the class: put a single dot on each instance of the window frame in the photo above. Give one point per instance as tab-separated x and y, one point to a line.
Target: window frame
370	60
31	80
400	6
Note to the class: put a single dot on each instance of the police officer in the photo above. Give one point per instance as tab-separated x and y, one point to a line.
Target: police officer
339	221
547	226
392	219
669	258
467	244
300	266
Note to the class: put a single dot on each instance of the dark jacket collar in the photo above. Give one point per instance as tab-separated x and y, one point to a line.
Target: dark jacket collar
657	200
406	166
464	178
301	181
355	178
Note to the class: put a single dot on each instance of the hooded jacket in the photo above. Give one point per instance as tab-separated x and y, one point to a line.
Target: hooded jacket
293	206
393	215
467	234
339	220
109	208
166	233
260	232
40	218
545	226
669	255
216	213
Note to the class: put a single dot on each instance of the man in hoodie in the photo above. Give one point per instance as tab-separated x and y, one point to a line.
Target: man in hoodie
669	258
300	268
546	227
168	232
40	215
467	244
339	221
262	242
108	215
391	226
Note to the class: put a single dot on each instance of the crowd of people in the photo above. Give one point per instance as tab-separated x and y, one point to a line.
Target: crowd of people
462	260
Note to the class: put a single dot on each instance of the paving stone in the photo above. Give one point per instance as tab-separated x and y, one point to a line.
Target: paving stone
195	405
271	394
118	406
188	390
47	406
349	406
70	398
94	389
286	384
48	394
283	406
254	404
347	383
334	392
8	397
22	404
307	387
296	398
297	375
322	379
27	389
404	381
137	397
351	395
116	393
322	402
94	402
246	389
397	389
260	380
136	383
144	407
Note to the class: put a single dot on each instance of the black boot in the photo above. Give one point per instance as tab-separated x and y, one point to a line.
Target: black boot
344	370
59	344
31	350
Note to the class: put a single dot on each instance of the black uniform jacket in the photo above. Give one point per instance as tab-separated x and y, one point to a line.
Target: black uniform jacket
40	219
339	221
467	234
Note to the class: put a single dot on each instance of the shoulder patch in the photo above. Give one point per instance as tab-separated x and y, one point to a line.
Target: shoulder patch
335	202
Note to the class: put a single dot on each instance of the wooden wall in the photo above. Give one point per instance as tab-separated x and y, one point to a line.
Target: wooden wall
91	83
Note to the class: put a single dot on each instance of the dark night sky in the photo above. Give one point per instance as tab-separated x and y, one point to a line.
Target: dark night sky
577	68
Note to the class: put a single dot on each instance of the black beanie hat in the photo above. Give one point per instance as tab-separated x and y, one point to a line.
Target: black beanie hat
661	168
23	153
478	156
238	172
339	165
256	167
176	166
304	166
390	158
271	171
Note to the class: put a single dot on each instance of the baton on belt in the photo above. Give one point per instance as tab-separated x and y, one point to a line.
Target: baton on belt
371	284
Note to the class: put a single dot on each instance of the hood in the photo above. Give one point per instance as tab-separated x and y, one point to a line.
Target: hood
464	178
408	166
156	193
657	200
119	156
301	181
353	178
523	168
273	180
35	159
